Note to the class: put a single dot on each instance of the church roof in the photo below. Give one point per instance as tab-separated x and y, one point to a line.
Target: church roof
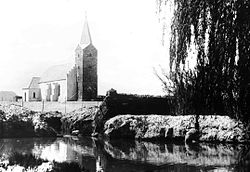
33	83
85	38
56	73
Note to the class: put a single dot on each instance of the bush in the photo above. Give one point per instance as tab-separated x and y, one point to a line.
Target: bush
117	104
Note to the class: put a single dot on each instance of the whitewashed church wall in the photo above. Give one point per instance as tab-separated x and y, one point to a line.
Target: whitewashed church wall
48	93
63	90
31	94
25	95
34	94
44	91
72	85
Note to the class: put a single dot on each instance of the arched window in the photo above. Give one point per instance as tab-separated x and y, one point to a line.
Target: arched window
34	95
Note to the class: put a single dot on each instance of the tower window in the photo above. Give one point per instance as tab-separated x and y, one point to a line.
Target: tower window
88	55
34	95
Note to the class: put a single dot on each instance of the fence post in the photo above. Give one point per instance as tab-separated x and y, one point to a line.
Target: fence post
65	105
42	105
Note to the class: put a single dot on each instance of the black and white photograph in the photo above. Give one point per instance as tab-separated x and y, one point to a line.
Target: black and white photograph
124	86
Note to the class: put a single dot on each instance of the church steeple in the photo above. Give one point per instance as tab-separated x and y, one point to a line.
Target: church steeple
86	38
86	66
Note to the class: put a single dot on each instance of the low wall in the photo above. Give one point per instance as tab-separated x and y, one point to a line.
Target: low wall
56	106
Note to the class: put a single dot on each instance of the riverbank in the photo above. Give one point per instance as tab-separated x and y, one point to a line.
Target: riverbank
149	118
79	122
17	121
122	116
212	128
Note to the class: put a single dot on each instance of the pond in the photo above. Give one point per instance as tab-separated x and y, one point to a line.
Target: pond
129	156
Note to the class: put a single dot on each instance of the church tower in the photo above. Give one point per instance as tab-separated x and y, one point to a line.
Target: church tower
86	66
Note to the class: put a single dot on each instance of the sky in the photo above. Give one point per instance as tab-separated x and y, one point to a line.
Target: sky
36	34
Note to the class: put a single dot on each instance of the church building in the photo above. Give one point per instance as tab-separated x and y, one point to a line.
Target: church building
67	82
33	91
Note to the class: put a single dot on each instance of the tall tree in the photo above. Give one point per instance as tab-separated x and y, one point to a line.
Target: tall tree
220	82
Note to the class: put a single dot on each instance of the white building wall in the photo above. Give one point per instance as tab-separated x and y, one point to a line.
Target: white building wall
25	95
44	91
72	85
31	94
63	91
34	94
54	91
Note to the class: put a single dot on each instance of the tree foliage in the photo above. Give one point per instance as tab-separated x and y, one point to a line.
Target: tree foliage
220	82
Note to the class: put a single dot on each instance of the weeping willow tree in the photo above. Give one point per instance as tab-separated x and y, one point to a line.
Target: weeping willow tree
220	32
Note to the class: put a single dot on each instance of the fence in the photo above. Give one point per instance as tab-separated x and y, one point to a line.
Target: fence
55	106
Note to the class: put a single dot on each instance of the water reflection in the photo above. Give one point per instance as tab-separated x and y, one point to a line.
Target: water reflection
23	145
120	155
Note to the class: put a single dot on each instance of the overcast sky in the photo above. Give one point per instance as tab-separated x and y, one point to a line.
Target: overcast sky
35	34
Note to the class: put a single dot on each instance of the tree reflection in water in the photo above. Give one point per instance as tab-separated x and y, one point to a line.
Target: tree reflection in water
101	157
122	155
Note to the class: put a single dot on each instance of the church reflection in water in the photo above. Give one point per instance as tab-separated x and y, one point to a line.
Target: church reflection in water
86	152
121	155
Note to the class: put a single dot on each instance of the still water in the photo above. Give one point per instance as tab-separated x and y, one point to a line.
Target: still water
129	156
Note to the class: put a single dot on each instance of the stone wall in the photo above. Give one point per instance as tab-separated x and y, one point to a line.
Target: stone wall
55	106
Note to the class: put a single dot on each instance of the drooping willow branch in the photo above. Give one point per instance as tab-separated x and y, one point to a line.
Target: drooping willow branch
221	32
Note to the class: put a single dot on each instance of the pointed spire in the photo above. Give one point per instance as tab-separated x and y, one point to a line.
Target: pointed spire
86	38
